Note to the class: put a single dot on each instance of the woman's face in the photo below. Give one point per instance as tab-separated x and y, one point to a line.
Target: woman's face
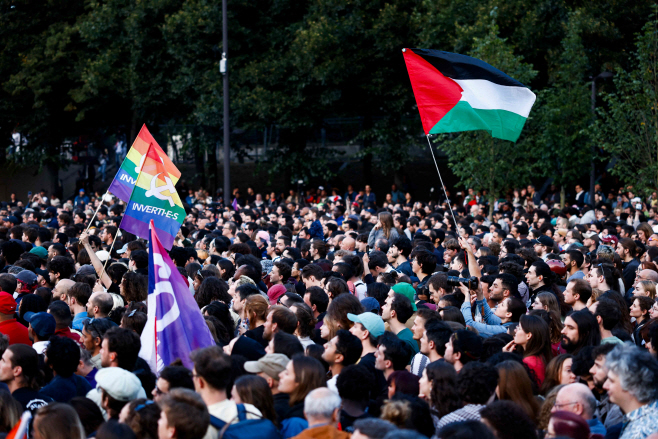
654	311
325	332
566	375
425	386
635	310
639	290
197	284
391	389
287	379
521	337
537	304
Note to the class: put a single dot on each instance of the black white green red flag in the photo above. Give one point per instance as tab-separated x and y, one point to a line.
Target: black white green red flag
459	93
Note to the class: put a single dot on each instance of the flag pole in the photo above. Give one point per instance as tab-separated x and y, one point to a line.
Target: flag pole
110	255
97	209
442	185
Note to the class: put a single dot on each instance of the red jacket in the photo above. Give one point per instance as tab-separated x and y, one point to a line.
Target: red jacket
16	332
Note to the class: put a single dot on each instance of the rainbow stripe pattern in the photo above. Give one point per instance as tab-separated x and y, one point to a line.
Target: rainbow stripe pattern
154	197
124	181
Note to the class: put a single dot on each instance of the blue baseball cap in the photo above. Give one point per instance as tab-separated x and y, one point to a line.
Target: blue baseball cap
370	304
372	322
42	323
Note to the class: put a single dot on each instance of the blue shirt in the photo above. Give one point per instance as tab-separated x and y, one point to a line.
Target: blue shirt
595	427
641	422
79	320
485	330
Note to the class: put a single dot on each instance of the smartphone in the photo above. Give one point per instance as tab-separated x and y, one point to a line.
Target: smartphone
638	206
367	249
29	194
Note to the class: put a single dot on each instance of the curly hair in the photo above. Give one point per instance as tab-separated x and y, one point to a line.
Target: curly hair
476	382
211	289
355	382
134	286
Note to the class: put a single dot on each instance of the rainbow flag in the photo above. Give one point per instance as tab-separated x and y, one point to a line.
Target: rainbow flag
124	181
154	197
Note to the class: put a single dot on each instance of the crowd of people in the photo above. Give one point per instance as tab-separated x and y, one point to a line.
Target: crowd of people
337	316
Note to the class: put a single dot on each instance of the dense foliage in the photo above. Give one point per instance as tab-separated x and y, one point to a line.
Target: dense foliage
93	68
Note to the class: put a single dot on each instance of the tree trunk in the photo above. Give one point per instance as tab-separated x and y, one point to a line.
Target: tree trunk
563	196
492	201
366	145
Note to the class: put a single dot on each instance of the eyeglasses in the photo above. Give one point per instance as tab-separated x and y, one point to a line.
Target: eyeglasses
556	405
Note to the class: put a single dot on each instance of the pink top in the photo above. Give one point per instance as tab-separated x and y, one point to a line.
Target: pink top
536	364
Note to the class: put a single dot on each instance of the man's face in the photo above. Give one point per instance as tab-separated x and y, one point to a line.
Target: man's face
570	335
450	353
329	355
615	391
51	252
88	341
418	327
226	230
267	328
164	432
358	330
105	354
599	371
280	247
161	388
532	278
569	298
380	358
392	254
497	292
565	401
6	369
424	344
275	277
515	233
386	309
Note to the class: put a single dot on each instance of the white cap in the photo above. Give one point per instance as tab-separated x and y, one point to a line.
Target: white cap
118	383
103	255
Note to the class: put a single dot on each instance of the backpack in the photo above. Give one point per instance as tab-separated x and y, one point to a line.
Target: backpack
245	428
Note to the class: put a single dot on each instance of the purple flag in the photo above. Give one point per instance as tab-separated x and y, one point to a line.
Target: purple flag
175	326
235	204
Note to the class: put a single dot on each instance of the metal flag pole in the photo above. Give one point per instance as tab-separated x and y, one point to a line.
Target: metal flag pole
97	209
442	185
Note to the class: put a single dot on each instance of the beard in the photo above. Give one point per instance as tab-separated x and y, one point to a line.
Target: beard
567	344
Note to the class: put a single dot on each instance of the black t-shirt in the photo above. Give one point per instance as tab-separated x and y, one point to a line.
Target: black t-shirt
368	360
31	399
347	421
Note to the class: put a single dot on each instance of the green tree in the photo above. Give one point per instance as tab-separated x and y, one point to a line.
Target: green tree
628	125
563	111
480	161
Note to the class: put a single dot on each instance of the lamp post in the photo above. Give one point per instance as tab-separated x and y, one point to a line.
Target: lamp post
592	172
223	69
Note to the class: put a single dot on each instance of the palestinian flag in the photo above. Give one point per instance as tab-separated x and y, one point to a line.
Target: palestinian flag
459	93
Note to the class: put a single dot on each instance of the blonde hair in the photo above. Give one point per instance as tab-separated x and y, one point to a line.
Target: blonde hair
649	287
202	254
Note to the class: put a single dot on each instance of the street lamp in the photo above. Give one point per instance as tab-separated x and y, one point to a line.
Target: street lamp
592	172
223	69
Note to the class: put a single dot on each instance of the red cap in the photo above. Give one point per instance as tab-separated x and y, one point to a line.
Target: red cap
7	303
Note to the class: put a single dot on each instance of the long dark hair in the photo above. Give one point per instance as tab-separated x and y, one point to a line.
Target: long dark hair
539	344
309	374
444	397
588	329
254	390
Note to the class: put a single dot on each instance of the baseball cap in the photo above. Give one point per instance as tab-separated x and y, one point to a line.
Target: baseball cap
118	383
406	290
40	251
7	303
42	272
42	323
610	240
12	219
372	322
27	277
123	249
271	365
370	304
103	255
589	234
544	240
86	269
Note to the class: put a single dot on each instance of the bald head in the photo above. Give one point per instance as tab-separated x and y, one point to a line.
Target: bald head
348	244
99	305
649	275
62	288
576	398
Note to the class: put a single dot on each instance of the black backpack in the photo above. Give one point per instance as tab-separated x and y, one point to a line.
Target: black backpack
245	428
